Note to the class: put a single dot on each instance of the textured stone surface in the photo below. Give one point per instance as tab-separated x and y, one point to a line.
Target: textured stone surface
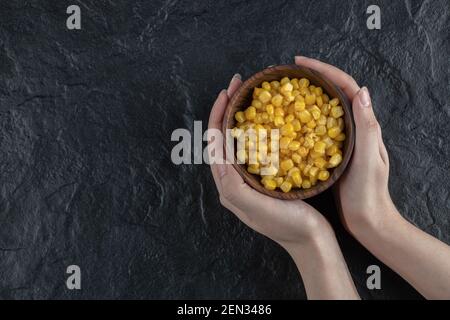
86	118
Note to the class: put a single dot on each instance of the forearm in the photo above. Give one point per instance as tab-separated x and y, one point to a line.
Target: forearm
419	258
323	269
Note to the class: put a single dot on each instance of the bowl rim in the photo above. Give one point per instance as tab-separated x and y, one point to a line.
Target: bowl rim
256	80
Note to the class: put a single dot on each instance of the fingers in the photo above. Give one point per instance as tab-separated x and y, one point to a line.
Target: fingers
235	83
215	122
368	132
339	77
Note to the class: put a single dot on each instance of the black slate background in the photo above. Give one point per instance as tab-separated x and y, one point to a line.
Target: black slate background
86	118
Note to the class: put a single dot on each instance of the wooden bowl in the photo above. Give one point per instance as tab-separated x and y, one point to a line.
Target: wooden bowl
242	99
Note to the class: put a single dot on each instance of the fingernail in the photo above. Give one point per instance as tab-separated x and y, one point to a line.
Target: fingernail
236	76
364	97
300	57
222	170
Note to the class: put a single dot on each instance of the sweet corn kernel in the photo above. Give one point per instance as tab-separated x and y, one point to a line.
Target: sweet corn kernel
250	113
284	142
320	147
332	150
252	169
239	116
319	101
286	186
323	175
274	85
296	124
334	132
287	87
326	108
313	172
294	145
297	178
299	105
320	162
277	100
331	122
334	102
257	104
278	121
320	130
303	152
335	160
318	91
286	164
306	184
296	157
340	137
270	184
303	83
265	96
305	116
270	109
279	112
284	80
289	118
310	99
325	98
279	181
287	129
266	86
337	112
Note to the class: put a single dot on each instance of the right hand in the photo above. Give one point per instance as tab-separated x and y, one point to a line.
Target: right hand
362	192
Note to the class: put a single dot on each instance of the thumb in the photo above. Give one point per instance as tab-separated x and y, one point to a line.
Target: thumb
367	127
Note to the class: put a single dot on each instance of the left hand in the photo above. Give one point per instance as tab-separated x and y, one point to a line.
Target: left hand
288	222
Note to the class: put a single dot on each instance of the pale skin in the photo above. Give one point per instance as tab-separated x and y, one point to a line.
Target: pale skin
363	198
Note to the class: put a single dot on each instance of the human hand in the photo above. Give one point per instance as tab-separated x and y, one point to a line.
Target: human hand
362	192
289	223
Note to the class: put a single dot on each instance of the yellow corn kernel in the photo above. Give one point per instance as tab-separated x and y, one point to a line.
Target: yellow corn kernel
303	83
257	92
257	104
337	112
266	86
315	112
299	105
312	124
320	147
287	87
331	122
279	112
320	130
265	117
303	152
296	124
326	108
340	137
294	83
299	97
313	181
313	172
250	113
284	142
334	102
270	184
304	91
289	118
286	186
312	88
332	150
296	157
334	132
284	80
240	117
325	98
318	91
310	99
305	116
274	85
287	129
297	178
269	109
277	100
294	145
279	181
291	109
265	96
292	135
335	160
320	162
305	170
322	120
309	143
341	123
328	141
253	169
319	101
286	164
313	155
278	121
323	175
306	184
